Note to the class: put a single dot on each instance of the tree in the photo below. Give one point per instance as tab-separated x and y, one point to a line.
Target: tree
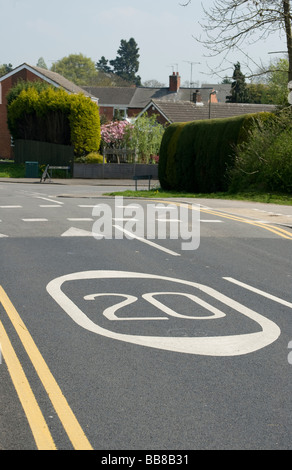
77	68
153	83
231	23
277	81
239	93
5	68
145	136
102	65
126	64
41	63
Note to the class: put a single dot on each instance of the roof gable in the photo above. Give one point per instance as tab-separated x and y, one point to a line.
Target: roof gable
50	77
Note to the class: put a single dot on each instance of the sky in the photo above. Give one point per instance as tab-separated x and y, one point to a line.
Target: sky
164	31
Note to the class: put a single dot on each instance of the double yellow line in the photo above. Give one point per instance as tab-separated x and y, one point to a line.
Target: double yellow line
37	422
271	228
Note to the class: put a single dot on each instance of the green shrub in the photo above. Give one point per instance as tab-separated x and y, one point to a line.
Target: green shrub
196	156
91	158
52	115
264	160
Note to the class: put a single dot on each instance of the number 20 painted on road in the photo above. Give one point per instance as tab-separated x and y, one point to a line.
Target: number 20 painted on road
232	345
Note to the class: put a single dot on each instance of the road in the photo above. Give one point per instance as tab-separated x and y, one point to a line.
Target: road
113	339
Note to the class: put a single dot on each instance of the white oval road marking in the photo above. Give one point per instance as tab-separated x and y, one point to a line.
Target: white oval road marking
232	345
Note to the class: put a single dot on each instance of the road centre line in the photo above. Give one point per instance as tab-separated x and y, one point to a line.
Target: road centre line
59	402
49	206
34	220
37	423
211	221
258	291
80	219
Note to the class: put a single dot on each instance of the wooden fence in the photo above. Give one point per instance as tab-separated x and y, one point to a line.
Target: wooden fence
44	153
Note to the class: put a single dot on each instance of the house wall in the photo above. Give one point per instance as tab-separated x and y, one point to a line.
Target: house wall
6	150
107	112
160	119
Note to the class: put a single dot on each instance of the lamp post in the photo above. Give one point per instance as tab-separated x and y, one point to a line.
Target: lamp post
214	92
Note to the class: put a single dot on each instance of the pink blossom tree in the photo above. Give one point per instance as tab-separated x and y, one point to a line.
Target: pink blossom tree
114	134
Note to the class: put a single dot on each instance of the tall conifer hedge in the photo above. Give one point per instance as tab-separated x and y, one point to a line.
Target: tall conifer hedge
196	156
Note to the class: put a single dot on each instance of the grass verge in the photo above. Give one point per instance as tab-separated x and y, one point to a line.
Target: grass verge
284	199
11	170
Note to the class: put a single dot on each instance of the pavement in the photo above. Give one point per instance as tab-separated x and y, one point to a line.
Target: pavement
274	214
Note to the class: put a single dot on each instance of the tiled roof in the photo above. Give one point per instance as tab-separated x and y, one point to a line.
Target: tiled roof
176	111
139	97
222	110
185	111
52	77
61	81
112	95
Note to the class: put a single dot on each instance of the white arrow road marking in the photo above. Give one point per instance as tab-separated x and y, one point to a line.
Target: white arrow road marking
78	232
233	345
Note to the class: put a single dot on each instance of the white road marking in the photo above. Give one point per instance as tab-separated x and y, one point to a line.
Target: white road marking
78	232
260	292
3	236
159	219
211	221
232	345
35	220
49	206
10	207
110	313
127	219
148	242
80	219
129	206
50	200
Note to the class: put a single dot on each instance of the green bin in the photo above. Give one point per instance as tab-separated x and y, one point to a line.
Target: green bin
31	169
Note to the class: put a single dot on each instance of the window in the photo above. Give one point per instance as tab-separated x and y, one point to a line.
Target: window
120	113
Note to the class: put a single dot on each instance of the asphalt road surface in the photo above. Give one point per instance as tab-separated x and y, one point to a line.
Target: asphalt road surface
141	325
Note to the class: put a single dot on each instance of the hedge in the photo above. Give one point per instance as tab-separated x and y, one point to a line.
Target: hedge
196	156
52	115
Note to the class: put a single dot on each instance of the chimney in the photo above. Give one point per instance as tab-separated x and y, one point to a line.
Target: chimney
197	97
174	82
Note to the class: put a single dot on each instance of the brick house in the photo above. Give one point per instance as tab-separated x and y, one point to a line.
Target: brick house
173	103
27	73
128	102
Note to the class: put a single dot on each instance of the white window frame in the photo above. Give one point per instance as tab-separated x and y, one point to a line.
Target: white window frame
121	110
